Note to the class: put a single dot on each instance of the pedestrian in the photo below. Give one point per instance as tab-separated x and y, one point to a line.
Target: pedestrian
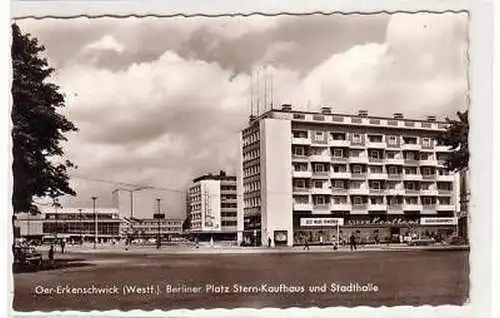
306	245
352	241
196	242
51	253
63	244
269	241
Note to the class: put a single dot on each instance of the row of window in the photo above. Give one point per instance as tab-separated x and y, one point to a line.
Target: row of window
340	153
359	169
251	170
252	154
252	186
252	202
228	188
228	214
390	200
359	138
229	223
251	138
374	185
81	228
228	205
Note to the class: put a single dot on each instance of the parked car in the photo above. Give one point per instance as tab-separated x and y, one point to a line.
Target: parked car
27	255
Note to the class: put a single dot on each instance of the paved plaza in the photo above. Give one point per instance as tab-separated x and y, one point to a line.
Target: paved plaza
143	279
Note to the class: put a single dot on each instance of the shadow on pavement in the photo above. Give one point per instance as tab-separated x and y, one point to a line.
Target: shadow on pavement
47	265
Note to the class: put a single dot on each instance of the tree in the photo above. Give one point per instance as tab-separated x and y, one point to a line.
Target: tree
37	128
456	137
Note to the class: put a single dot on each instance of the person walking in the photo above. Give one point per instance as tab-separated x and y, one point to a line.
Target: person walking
63	244
51	253
306	245
269	241
352	242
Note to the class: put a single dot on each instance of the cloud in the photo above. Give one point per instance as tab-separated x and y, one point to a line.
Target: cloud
159	101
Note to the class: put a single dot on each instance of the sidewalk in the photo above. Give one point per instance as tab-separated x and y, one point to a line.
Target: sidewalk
120	249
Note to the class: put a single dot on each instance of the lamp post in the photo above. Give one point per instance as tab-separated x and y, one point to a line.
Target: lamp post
94	198
80	226
158	240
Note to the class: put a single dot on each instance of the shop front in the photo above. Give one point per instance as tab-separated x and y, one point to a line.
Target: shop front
367	229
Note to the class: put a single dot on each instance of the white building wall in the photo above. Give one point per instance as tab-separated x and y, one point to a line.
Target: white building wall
239	194
276	172
210	205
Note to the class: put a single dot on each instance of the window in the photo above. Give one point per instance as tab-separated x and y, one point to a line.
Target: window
376	169
375	185
358	200
338	153
338	184
393	170
319	200
318	184
374	154
427	171
410	170
412	200
356	138
390	155
357	169
410	186
444	201
318	168
426	201
339	200
299	151
424	156
300	183
392	140
410	156
318	135
426	141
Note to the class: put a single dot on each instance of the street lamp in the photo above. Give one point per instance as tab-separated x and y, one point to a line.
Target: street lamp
80	226
158	241
94	198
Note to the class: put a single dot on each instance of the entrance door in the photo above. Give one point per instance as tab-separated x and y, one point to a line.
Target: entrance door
280	238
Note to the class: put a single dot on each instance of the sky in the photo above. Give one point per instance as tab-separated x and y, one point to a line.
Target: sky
159	101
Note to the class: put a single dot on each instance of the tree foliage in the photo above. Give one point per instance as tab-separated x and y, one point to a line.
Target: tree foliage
37	128
456	137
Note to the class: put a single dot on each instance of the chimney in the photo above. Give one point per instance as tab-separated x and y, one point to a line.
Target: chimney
363	113
398	116
325	110
286	107
431	118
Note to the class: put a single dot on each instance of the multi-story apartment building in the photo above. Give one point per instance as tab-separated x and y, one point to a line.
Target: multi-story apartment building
212	207
302	173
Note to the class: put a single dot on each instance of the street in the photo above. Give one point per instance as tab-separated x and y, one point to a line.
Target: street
106	281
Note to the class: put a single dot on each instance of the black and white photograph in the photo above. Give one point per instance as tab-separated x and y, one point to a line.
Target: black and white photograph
260	161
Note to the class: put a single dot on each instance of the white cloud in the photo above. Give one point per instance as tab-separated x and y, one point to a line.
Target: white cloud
107	42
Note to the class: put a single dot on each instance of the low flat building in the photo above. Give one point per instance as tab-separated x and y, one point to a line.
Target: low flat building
165	228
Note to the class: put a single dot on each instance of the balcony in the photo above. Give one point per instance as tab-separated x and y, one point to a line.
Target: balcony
428	162
322	208
325	191
442	148
301	141
412	207
299	190
321	174
394	161
411	162
377	176
430	177
445	178
339	143
429	209
359	208
359	191
412	177
358	176
445	192
412	191
376	145
377	207
373	191
395	208
429	192
341	191
339	160
393	192
340	175
412	147
320	158
300	158
376	161
445	207
363	160
302	206
340	207
395	176
302	174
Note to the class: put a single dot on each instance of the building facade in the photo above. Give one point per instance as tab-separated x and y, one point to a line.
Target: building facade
152	228
305	175
212	207
77	224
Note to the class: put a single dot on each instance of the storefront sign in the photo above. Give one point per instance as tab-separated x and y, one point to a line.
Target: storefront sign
438	221
321	221
380	221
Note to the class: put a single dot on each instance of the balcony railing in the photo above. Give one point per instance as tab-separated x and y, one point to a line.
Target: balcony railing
296	157
302	174
428	162
321	206
411	191
395	208
301	141
358	159
358	176
444	192
339	143
429	177
395	191
395	176
376	191
321	174
321	191
429	208
340	207
339	191
301	190
377	207
445	207
339	159
376	144
360	208
320	158
340	175
412	177
447	178
377	176
411	162
412	207
429	192
359	191
394	161
302	206
415	147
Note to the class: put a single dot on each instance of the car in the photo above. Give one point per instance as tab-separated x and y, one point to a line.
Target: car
27	255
